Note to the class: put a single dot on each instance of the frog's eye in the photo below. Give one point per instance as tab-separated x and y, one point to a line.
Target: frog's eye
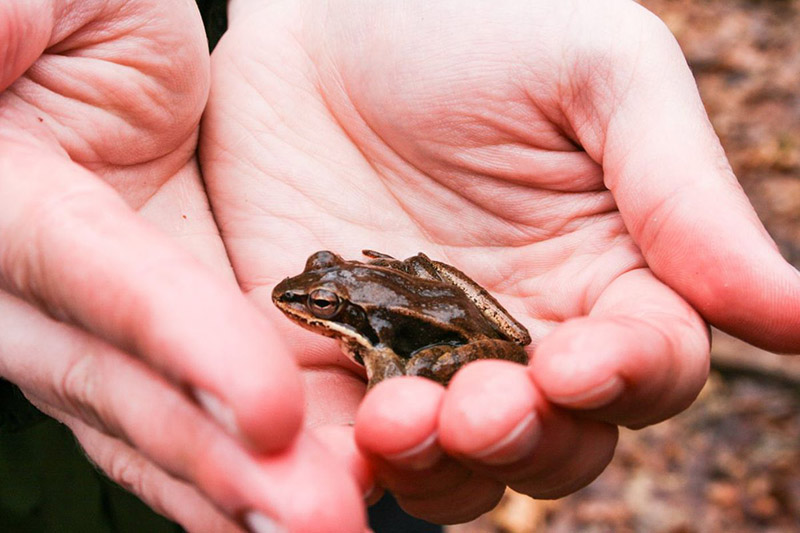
323	303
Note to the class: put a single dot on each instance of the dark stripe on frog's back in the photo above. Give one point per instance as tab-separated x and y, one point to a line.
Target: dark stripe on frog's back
408	313
388	287
380	287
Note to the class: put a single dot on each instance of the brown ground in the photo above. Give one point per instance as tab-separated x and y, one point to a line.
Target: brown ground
731	463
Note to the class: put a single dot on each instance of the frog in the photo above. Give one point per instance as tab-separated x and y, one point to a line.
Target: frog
412	317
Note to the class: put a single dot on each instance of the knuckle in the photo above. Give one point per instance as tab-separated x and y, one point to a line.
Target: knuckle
131	472
123	465
81	392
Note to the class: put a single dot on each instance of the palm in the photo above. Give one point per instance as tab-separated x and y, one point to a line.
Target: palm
304	151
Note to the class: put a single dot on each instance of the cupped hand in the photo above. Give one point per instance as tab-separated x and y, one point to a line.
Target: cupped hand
559	154
120	323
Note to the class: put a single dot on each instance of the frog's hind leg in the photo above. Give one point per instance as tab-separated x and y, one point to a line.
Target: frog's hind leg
489	306
441	362
372	254
384	260
418	265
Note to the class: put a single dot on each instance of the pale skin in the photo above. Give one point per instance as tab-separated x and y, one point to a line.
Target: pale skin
557	152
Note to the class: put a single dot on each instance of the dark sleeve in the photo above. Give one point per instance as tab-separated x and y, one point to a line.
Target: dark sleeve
215	19
16	413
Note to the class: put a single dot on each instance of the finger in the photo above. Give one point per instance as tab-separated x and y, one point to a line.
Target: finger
118	395
642	355
72	247
397	421
675	190
340	441
494	419
396	427
578	451
489	413
447	492
166	495
461	503
332	399
24	33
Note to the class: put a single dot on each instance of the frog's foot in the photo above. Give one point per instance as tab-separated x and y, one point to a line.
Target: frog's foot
440	363
382	364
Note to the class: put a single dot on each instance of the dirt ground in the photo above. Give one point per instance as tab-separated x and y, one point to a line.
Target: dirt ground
730	463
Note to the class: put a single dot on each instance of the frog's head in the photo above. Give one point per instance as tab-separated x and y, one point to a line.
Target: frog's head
319	300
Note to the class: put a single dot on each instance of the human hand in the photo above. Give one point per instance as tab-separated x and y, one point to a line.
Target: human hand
555	151
98	120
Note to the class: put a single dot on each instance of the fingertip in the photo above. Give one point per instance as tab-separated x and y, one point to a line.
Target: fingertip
262	405
578	365
738	281
627	366
310	490
398	421
489	413
261	383
270	412
755	297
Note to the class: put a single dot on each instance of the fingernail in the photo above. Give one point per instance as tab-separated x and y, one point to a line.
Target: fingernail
260	523
370	491
519	443
596	396
218	410
423	455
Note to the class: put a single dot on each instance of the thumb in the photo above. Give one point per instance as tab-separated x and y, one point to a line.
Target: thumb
21	39
679	198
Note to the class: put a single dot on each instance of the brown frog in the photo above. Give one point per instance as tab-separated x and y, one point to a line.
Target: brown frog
415	317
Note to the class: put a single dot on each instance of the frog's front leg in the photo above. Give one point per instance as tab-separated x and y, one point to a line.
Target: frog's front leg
441	362
382	364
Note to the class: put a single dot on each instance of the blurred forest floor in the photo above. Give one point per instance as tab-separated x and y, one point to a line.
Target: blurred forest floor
730	463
